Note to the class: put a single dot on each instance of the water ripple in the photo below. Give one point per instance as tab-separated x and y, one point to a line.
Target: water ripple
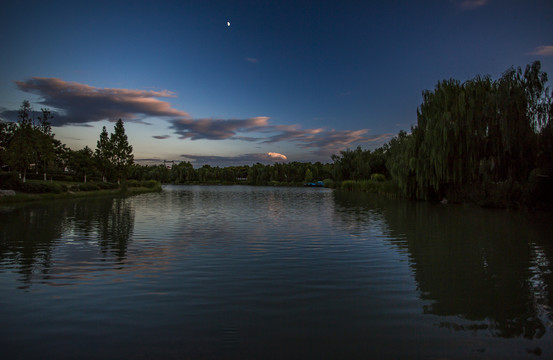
210	271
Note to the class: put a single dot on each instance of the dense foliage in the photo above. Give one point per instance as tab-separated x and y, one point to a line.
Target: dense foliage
29	141
293	173
477	136
30	145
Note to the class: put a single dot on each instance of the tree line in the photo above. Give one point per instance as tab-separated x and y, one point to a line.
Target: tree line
30	144
278	174
484	140
29	141
473	140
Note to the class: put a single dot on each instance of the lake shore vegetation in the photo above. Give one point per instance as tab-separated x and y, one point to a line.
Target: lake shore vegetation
35	165
484	141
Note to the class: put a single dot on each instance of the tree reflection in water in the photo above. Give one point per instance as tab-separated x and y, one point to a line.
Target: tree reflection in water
29	234
478	269
115	228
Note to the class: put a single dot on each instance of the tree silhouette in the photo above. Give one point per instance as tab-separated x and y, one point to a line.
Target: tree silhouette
121	151
103	153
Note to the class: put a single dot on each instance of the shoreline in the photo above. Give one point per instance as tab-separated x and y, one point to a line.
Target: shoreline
22	197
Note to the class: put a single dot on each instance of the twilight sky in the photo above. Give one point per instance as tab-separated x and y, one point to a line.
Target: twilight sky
286	81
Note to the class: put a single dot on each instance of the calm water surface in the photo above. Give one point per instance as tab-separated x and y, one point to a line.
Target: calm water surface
257	272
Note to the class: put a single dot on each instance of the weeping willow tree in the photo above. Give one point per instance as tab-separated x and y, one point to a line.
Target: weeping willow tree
400	161
451	135
479	131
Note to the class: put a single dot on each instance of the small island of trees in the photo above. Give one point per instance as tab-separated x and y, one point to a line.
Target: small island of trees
485	141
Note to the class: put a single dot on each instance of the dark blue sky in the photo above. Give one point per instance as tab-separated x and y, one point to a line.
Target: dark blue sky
303	79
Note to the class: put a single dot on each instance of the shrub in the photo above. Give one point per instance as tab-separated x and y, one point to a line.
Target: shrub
85	187
350	185
60	177
133	183
9	180
387	187
378	177
40	188
151	184
106	186
329	183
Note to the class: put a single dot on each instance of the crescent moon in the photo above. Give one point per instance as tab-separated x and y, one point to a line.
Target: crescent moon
228	23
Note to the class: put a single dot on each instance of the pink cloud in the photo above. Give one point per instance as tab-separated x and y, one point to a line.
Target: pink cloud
546	50
276	156
472	4
79	103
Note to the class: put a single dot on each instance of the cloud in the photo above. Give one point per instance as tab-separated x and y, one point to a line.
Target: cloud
252	60
472	4
245	159
79	103
324	141
11	115
216	129
277	156
320	140
546	50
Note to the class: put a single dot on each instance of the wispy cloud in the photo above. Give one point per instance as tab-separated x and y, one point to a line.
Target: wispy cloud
252	60
246	159
324	141
472	4
546	50
215	129
80	104
319	140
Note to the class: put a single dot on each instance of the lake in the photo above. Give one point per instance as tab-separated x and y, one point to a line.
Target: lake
240	272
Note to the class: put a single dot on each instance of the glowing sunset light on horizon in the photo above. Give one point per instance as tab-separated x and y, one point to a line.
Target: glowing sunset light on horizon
277	156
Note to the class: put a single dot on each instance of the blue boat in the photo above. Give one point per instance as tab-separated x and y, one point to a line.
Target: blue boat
315	184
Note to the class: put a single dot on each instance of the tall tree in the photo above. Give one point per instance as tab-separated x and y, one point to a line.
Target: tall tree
45	147
121	156
103	153
44	121
22	147
24	115
21	153
480	131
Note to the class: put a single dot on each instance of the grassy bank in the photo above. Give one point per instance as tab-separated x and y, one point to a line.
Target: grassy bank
37	190
537	194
